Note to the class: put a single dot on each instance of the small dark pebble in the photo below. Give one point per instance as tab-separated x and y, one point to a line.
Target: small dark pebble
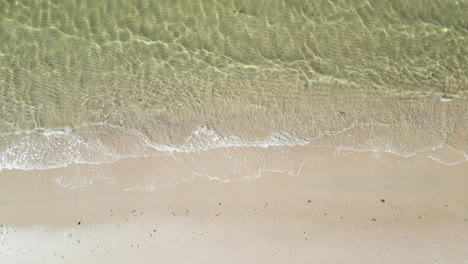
309	201
78	241
383	200
373	219
419	217
79	223
219	204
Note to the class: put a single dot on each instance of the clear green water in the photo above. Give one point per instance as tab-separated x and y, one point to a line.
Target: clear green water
78	76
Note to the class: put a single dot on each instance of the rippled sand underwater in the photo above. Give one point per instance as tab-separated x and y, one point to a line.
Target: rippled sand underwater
98	81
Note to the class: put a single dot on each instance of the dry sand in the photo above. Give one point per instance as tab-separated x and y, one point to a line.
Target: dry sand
294	208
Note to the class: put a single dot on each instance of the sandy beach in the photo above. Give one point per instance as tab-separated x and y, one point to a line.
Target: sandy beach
346	209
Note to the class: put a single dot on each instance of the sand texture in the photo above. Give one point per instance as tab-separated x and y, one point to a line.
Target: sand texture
346	209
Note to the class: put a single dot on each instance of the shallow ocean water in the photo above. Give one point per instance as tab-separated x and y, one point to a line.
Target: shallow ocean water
98	81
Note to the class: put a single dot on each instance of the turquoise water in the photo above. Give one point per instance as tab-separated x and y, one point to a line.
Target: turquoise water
82	81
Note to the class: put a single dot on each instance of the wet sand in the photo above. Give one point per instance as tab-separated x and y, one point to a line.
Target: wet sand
299	209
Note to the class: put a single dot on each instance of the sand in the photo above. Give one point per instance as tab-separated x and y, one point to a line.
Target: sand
344	209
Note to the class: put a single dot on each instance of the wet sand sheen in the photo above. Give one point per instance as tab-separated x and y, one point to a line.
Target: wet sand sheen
346	209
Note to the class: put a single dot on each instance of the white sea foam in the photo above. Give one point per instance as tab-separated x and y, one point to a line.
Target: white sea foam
446	99
55	149
56	132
